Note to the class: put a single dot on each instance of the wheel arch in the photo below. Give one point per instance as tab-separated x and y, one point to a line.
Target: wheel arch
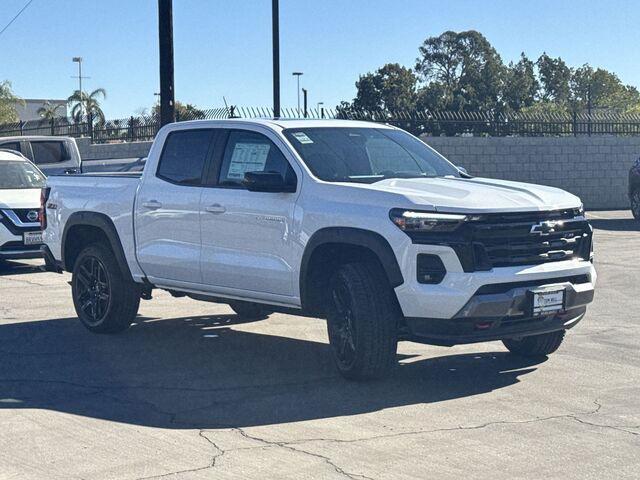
84	228
336	245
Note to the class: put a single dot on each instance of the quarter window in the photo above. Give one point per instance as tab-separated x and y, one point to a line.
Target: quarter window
251	152
184	156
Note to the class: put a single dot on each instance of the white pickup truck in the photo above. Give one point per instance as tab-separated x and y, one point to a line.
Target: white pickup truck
359	223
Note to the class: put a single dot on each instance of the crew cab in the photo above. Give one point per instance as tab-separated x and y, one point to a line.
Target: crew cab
359	223
20	186
52	155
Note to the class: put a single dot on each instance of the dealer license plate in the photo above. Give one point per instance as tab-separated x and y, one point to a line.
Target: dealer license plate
547	301
32	238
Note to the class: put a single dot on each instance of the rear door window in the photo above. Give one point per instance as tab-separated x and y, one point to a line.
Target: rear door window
184	156
47	152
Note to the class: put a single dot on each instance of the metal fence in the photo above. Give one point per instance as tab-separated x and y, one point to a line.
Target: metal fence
141	128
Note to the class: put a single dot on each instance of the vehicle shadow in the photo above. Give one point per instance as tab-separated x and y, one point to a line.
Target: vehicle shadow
9	267
197	372
616	224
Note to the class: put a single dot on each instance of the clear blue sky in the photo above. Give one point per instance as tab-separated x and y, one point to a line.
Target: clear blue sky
223	47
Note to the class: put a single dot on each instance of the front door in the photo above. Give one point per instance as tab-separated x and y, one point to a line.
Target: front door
246	236
168	209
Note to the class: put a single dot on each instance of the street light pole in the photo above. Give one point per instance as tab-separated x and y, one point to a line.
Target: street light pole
275	32
298	75
165	33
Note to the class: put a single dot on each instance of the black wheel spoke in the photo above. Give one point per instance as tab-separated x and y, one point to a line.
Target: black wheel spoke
93	289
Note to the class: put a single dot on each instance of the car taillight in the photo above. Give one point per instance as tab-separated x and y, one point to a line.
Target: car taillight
42	215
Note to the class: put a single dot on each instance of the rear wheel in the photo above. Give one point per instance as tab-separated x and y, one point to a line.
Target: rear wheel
635	204
361	321
535	345
249	310
105	300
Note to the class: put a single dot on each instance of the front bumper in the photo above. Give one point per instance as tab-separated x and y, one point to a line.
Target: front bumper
13	248
502	311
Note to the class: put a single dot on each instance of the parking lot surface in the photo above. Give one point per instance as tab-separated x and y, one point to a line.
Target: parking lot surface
190	392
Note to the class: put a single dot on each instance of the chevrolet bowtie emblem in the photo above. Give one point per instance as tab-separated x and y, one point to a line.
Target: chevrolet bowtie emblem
544	228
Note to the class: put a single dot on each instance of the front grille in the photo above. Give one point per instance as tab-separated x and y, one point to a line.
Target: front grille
529	239
516	239
23	214
13	228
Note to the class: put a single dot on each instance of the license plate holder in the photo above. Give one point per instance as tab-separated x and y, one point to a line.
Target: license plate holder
547	300
32	238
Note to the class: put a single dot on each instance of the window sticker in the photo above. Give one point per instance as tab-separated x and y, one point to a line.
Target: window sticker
248	157
302	137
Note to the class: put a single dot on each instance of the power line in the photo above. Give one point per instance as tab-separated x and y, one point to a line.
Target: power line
16	17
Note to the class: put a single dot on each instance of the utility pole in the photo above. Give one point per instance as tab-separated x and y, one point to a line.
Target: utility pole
165	32
275	31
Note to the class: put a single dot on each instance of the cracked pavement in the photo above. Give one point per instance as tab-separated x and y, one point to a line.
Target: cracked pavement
190	392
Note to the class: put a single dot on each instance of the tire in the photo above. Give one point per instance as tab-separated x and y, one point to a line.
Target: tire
635	203
535	345
362	318
249	310
105	300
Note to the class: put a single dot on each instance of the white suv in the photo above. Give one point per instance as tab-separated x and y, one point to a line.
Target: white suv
360	223
20	185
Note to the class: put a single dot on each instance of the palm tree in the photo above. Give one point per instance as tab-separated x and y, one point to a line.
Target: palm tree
49	111
87	104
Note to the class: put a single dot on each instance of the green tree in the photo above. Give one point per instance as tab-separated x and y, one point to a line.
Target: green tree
8	102
466	70
390	88
603	90
555	78
87	104
520	85
183	111
49	111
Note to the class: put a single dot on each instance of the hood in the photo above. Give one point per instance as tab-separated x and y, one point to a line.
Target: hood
477	195
23	198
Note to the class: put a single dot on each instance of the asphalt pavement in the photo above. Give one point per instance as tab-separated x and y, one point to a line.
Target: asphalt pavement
191	392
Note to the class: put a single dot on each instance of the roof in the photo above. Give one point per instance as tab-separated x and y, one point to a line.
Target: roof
282	123
26	138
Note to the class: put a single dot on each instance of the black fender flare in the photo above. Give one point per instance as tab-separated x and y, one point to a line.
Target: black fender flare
351	236
105	224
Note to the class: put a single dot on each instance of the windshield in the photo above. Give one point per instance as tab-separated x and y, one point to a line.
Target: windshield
366	154
20	175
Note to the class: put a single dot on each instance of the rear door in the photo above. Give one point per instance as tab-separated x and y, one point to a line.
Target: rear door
53	157
247	243
168	209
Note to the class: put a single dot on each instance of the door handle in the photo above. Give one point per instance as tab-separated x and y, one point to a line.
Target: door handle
71	171
152	204
215	208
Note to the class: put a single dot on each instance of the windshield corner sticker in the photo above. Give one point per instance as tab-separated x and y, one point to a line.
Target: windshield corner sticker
302	137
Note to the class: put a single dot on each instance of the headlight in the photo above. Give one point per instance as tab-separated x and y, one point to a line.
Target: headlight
411	221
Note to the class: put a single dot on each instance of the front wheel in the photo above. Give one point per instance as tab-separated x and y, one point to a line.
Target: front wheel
535	345
362	321
105	300
635	204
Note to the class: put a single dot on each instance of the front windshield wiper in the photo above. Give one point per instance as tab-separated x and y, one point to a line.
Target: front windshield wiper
401	174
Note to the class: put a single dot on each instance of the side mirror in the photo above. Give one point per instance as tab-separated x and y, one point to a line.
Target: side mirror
267	182
462	169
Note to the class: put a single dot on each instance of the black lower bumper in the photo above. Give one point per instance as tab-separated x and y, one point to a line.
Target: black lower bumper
436	331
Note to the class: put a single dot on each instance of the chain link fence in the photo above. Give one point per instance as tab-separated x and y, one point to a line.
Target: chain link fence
477	124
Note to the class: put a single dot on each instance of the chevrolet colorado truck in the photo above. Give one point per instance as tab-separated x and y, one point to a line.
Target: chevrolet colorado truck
362	224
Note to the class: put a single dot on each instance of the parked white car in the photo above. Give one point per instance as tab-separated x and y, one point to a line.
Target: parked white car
359	223
20	185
